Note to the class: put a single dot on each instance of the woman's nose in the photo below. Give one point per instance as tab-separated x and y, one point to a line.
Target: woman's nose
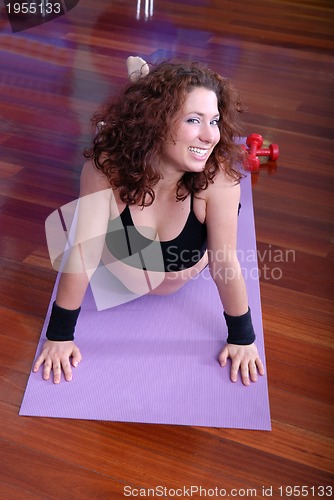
207	134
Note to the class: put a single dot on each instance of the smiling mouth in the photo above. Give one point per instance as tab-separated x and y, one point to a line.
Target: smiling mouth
198	151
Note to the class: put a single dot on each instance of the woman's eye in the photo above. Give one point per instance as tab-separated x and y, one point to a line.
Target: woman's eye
197	120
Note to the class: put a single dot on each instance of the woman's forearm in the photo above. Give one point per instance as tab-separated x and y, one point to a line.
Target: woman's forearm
231	287
233	294
71	290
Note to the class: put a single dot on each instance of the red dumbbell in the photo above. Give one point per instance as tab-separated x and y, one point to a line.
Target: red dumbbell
254	143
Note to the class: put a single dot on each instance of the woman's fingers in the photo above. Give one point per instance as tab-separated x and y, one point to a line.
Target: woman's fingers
260	366
244	372
56	371
67	369
76	356
253	371
56	357
234	370
47	368
39	361
245	360
223	356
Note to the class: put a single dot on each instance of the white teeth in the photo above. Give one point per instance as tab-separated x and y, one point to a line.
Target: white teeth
197	151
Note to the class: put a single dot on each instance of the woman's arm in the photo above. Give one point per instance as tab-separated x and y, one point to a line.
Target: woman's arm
93	214
222	217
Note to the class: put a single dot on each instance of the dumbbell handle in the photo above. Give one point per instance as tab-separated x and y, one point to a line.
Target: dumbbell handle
262	152
254	142
272	151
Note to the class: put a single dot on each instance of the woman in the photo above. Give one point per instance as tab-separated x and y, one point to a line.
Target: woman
163	163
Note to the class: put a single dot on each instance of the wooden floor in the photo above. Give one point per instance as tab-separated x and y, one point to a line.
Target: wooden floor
279	53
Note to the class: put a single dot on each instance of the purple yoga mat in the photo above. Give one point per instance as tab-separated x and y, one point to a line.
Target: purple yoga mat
154	359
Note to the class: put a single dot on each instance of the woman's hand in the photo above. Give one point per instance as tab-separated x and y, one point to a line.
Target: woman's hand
244	358
56	356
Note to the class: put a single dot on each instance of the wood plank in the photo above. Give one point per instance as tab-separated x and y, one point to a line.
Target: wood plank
43	476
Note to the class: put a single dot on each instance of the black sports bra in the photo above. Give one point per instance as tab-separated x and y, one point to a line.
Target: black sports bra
127	244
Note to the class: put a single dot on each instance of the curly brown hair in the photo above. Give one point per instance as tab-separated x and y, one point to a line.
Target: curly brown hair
131	131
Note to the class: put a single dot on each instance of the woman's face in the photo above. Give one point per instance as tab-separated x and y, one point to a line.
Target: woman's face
194	134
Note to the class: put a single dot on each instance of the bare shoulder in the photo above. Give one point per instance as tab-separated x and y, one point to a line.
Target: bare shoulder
222	203
224	191
92	180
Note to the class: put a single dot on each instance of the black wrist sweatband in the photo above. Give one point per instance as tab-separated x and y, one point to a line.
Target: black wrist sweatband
62	323
240	329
